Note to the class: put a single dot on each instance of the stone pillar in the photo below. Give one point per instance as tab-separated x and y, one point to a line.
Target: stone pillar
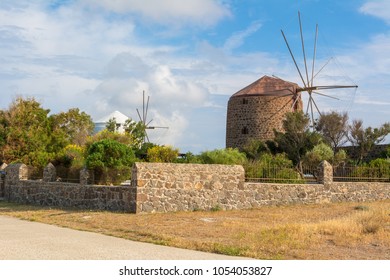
85	177
49	173
14	173
325	173
3	166
2	177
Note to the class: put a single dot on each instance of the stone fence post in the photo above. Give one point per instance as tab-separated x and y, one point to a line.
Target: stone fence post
2	177
14	173
3	166
325	173
49	173
85	176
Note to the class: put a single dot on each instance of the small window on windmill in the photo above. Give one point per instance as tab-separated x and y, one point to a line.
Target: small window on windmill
244	101
244	130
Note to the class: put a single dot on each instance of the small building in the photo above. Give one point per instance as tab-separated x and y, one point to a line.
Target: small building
256	110
120	119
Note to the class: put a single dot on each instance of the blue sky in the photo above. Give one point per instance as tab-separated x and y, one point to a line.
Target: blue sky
190	57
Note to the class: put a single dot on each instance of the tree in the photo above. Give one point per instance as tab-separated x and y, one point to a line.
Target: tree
322	152
333	127
366	138
112	125
137	132
71	156
254	148
26	133
105	134
72	127
297	139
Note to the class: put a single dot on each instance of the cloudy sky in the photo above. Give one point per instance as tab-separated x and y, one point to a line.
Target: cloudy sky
190	57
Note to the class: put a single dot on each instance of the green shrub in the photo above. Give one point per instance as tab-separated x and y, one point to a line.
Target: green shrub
71	156
267	166
290	176
141	152
109	153
380	168
112	176
189	158
223	156
387	152
323	152
273	169
38	159
319	153
254	148
162	154
375	169
216	208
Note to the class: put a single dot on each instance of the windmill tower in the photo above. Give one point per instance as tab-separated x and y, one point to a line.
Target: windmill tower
256	110
144	118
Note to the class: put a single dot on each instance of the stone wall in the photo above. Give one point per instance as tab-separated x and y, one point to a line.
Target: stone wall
189	187
273	194
359	191
165	187
45	193
161	187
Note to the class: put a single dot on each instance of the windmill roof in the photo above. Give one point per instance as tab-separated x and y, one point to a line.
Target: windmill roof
119	117
267	85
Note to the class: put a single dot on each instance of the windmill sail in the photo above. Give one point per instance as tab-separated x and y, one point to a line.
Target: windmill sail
144	117
309	85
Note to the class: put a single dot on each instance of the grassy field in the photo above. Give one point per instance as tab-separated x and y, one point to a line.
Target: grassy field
326	231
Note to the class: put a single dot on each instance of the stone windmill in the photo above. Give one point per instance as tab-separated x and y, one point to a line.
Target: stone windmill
256	110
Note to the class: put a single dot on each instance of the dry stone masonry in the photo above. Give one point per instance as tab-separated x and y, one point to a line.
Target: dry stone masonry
166	187
48	193
49	173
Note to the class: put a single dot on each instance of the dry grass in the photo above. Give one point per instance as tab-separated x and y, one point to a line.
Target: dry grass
326	231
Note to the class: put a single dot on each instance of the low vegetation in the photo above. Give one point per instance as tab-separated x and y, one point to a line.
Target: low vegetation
325	231
30	135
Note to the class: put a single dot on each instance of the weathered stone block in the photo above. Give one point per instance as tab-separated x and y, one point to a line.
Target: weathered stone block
49	173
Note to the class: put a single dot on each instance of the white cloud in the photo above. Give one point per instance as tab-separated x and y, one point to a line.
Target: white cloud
377	8
176	124
66	31
171	96
237	39
168	12
369	101
91	55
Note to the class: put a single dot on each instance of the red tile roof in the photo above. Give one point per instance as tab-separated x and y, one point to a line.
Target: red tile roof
268	86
